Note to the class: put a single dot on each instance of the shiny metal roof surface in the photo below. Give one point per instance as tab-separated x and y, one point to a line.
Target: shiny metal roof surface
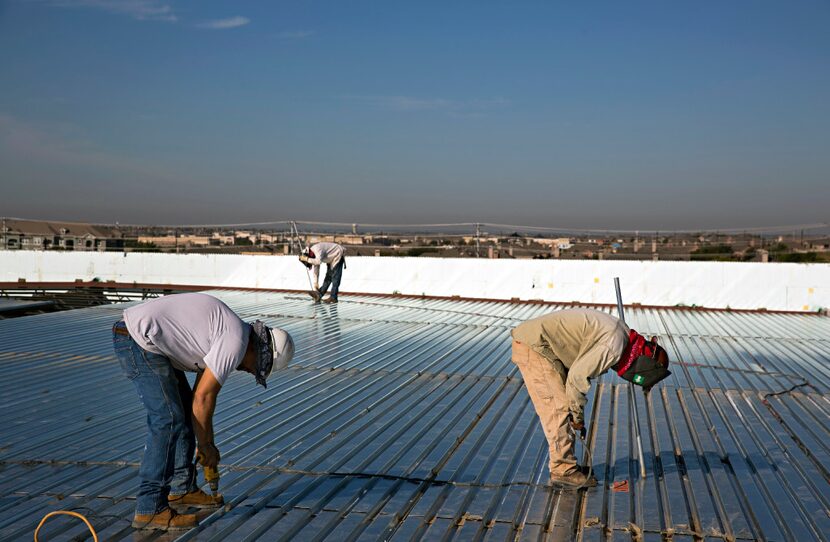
404	419
8	305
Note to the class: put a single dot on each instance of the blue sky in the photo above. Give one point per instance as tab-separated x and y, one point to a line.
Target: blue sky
650	115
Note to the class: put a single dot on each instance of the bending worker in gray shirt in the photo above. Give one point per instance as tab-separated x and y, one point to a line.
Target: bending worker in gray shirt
155	343
558	355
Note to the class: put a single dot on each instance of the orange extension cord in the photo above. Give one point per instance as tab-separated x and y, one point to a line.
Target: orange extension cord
68	513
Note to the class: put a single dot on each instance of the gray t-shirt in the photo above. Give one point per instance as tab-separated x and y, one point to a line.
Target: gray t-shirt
192	330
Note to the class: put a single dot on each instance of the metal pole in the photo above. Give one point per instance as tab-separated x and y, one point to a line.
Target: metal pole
631	387
293	240
302	251
620	311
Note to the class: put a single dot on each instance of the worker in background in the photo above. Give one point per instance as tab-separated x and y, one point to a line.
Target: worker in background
558	355
155	343
334	256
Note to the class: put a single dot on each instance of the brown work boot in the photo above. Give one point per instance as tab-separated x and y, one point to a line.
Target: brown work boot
196	499
574	479
330	299
166	520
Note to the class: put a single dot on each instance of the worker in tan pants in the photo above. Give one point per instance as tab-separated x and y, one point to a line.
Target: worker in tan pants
558	355
546	387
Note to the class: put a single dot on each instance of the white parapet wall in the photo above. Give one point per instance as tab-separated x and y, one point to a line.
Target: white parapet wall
773	286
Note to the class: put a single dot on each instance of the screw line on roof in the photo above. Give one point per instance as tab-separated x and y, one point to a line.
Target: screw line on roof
411	307
428	309
277	470
376	320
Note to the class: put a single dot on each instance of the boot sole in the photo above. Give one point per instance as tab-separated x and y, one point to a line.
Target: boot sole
151	527
178	507
568	485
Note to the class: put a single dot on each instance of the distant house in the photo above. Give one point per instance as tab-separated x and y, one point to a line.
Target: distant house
819	245
158	240
562	243
349	239
346	239
218	238
168	241
41	235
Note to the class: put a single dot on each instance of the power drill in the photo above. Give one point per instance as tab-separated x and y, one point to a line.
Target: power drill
211	474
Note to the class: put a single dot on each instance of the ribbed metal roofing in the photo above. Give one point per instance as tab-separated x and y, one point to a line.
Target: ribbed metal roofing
8	305
405	419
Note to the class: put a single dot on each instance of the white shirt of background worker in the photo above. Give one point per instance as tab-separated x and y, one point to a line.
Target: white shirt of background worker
333	255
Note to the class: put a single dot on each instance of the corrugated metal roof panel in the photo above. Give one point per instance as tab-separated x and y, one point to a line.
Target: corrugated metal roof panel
404	419
18	305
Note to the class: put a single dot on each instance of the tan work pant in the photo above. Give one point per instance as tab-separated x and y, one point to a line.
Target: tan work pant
547	391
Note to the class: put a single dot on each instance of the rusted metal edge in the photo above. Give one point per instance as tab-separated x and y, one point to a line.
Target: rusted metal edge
109	285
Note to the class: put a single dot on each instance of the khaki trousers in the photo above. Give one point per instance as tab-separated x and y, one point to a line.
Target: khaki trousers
547	391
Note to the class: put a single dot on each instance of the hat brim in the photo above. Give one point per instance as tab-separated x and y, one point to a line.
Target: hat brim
646	372
264	353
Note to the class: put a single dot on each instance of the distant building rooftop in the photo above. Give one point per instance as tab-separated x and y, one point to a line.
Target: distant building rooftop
404	419
53	228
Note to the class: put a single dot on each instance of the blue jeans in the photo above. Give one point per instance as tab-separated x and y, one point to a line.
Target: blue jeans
333	277
167	466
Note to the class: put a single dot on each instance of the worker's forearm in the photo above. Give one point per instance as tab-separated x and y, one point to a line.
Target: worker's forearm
576	405
576	389
203	408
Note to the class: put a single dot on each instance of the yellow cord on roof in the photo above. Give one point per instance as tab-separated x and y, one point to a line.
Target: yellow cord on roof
68	513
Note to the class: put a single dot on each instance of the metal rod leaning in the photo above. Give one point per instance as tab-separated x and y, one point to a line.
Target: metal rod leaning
295	231
640	457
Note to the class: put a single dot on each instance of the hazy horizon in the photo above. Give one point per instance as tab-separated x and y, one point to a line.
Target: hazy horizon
640	115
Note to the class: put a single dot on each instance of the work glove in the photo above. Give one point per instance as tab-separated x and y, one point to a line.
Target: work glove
317	286
580	427
208	455
303	258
